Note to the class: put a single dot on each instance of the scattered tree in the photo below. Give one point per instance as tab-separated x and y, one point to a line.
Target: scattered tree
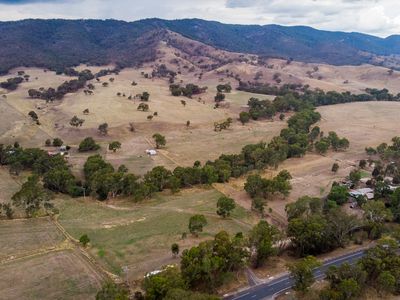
244	117
196	224
32	197
159	140
335	167
157	285
261	240
114	146
225	205
143	107
76	122
33	115
103	128
57	142
145	96
219	97
362	164
84	240
88	144
375	215
175	249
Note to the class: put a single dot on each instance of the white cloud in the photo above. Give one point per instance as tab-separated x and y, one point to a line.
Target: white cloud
379	17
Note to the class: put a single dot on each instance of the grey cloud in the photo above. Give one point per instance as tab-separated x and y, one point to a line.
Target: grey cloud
240	3
19	2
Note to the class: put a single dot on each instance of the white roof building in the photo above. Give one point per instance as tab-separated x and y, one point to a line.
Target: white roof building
151	152
366	192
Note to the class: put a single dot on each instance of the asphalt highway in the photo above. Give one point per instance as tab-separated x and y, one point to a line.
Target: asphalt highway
281	284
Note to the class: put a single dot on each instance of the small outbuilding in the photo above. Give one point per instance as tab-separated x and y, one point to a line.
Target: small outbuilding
151	152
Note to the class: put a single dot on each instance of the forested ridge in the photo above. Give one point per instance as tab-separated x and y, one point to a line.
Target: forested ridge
56	44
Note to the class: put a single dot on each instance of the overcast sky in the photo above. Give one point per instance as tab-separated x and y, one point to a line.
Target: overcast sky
377	17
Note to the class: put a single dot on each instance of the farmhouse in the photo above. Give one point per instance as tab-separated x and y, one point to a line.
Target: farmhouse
368	193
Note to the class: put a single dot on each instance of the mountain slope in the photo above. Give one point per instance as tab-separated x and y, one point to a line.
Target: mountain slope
299	42
59	43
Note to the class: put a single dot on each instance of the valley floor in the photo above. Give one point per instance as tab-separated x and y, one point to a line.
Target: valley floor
129	239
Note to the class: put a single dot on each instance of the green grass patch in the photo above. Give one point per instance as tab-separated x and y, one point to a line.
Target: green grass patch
125	236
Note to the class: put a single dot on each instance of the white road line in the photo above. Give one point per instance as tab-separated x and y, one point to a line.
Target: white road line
241	296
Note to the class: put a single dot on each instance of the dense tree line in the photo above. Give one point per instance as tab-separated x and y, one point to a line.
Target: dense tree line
267	89
11	84
318	97
105	72
70	86
316	226
188	91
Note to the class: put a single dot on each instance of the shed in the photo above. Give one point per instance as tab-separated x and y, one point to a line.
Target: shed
151	152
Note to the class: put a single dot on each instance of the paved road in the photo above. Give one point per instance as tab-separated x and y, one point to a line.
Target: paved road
283	283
